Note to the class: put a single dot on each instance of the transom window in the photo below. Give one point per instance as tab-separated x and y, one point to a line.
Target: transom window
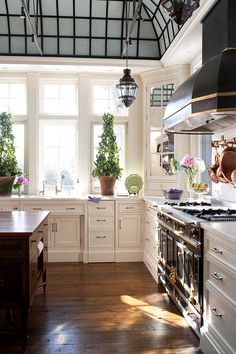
59	98
13	97
105	99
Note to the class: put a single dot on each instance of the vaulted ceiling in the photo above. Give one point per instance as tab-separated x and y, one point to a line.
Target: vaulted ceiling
85	28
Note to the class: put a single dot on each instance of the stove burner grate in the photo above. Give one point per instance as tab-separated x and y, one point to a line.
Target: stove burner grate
181	204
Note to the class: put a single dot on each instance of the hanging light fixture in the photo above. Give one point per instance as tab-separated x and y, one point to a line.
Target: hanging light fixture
127	87
180	10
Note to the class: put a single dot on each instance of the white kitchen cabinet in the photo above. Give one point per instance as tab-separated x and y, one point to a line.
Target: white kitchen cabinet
128	231
160	146
9	205
218	331
101	232
66	228
151	240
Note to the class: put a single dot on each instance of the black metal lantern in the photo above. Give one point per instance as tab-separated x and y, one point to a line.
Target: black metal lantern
127	88
180	10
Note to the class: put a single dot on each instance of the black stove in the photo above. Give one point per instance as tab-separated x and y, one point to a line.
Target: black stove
212	214
188	204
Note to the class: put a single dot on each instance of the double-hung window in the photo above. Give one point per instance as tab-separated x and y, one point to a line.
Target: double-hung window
58	136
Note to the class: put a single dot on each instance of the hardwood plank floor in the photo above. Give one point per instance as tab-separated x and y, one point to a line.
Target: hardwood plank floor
103	308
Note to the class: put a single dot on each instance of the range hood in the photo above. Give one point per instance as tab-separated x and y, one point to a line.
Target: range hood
206	102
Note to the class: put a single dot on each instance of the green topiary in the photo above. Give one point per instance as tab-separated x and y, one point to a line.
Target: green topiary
107	159
8	162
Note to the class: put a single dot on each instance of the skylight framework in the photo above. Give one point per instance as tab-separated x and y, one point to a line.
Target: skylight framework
85	28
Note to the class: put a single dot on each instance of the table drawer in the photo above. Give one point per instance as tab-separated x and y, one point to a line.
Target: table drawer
129	208
9	247
101	222
221	279
222	318
222	252
101	239
101	208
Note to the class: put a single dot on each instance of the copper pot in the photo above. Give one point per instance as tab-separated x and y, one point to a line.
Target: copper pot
228	164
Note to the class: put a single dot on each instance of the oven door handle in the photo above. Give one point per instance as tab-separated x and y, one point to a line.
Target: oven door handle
184	223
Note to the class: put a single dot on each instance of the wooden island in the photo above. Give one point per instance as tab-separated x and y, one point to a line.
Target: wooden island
23	260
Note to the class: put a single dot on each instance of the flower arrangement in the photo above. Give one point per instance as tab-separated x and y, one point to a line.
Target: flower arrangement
190	165
20	182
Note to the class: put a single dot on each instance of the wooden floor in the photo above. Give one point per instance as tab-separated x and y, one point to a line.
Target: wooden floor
102	309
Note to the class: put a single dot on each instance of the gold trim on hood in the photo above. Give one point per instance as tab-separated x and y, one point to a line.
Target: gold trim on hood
213	95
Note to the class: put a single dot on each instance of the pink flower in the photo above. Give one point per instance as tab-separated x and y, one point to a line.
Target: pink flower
188	161
22	181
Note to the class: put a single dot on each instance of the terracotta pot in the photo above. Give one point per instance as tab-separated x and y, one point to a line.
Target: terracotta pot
6	184
107	185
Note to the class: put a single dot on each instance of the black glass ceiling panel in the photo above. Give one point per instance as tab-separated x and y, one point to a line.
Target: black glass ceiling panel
85	28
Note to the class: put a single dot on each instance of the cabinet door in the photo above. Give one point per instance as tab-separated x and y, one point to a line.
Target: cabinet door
129	231
67	232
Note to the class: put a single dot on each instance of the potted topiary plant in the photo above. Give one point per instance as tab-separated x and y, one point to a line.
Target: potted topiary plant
107	163
8	163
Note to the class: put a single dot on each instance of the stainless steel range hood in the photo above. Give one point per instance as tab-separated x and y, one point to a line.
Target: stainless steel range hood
206	102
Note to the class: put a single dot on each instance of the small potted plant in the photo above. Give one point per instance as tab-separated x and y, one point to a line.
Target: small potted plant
8	163
107	164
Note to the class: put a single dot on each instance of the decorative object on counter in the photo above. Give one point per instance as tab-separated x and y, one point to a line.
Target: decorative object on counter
20	182
107	164
191	166
173	193
133	184
8	163
94	199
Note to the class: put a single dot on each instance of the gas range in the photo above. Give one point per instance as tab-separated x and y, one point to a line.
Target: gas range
205	211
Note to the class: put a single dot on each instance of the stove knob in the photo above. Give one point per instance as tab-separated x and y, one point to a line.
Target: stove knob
193	232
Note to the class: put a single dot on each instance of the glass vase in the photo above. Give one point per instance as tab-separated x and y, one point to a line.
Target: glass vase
19	192
191	179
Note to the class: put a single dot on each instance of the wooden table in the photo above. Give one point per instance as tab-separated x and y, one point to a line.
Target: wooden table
23	260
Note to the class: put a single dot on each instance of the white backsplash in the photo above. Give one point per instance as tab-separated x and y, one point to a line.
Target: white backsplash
223	190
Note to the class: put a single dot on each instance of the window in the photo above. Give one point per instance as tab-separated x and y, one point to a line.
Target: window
13	97
59	98
105	100
120	132
58	151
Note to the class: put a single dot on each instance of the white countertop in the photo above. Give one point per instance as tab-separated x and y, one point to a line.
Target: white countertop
226	228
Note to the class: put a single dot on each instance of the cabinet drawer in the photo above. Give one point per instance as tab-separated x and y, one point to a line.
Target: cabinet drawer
78	208
222	280
14	247
222	252
101	222
9	207
222	318
101	239
129	208
151	245
101	208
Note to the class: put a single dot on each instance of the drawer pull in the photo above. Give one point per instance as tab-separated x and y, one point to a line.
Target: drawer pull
2	283
37	208
33	241
15	208
215	313
101	220
100	236
101	208
130	207
216	250
70	208
147	222
216	276
40	232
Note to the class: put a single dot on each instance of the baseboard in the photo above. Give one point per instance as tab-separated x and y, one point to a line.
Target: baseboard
65	256
129	256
